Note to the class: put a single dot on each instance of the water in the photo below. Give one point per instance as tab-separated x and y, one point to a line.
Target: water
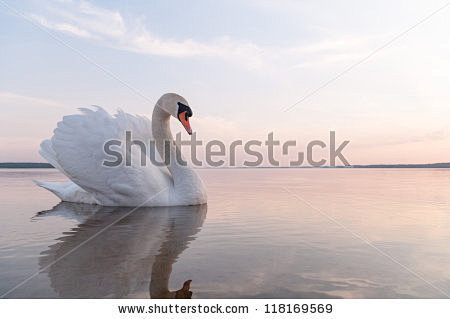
265	233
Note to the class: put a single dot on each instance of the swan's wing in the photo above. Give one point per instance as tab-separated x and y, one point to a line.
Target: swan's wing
77	150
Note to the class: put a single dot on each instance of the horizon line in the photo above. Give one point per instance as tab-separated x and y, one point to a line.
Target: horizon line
43	165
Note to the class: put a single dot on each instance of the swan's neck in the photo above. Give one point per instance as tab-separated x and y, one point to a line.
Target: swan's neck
184	178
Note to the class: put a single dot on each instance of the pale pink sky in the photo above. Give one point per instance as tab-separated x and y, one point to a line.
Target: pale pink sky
239	64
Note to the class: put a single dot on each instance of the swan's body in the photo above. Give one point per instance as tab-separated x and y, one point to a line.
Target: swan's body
77	150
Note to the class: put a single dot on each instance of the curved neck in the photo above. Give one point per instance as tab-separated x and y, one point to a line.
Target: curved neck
183	176
162	134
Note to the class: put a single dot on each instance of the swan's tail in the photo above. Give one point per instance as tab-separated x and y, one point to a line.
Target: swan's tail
55	188
68	192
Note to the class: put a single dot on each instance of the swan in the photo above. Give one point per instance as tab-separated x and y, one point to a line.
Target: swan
77	150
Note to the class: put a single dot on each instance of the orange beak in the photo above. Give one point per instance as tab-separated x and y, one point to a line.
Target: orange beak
184	119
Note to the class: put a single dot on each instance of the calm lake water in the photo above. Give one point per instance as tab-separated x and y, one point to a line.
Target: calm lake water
265	233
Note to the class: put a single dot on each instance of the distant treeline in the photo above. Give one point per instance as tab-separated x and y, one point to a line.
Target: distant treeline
26	165
434	165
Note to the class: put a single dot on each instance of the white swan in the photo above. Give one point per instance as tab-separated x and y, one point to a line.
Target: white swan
77	150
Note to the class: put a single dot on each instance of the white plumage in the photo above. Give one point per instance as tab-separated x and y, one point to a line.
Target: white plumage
77	150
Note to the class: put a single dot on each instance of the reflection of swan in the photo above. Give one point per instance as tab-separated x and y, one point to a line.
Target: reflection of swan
126	260
77	150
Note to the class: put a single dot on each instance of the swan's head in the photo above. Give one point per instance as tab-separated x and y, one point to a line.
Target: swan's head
178	107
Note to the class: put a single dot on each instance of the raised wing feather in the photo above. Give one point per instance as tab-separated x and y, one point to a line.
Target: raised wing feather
77	150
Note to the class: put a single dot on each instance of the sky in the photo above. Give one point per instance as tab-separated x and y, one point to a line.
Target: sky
240	64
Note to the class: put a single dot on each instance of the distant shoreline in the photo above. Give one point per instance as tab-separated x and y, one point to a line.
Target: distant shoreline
26	165
14	165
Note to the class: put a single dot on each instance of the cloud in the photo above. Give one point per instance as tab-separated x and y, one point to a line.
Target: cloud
85	20
9	97
334	50
108	27
63	27
432	136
